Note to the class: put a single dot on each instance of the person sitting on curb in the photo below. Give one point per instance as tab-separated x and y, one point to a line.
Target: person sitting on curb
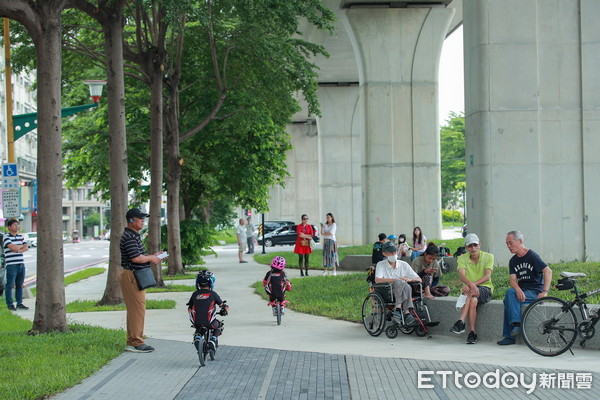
529	278
399	273
475	270
428	268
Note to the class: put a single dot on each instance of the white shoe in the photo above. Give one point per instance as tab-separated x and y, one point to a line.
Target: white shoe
324	273
334	273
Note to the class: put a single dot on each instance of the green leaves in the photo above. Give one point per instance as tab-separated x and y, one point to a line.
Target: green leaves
452	150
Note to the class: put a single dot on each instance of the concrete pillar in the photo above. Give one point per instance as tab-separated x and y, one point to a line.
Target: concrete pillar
301	192
398	52
532	121
340	160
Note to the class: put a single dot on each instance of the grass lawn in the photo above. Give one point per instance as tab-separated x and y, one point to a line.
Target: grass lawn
90	305
226	235
79	276
341	296
316	258
34	367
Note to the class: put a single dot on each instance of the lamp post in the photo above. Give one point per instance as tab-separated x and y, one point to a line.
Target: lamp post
25	123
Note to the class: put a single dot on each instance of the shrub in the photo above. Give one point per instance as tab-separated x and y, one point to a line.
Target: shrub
447	215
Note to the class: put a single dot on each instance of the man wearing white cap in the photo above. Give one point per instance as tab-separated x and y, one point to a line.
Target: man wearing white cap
475	271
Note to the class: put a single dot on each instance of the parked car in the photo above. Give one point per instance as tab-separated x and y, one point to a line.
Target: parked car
270	226
284	235
30	238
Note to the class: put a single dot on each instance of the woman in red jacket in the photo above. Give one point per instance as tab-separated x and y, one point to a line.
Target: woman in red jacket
305	233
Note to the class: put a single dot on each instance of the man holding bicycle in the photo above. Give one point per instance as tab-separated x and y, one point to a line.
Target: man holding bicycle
530	278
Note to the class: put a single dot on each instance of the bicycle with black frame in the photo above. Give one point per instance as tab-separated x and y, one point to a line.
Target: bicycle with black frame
550	325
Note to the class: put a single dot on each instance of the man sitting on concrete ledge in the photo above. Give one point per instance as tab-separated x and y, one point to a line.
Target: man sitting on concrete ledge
475	270
530	279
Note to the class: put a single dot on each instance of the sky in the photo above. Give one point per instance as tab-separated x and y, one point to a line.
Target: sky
451	76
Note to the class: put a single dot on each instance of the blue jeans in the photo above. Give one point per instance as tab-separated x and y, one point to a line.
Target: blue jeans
512	308
415	254
15	275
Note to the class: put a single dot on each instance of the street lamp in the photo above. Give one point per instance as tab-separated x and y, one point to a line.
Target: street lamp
25	123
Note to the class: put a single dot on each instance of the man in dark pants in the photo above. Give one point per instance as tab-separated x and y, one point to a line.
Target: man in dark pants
14	246
133	256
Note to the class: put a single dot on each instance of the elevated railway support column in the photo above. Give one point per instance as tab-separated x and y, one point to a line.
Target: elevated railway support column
398	51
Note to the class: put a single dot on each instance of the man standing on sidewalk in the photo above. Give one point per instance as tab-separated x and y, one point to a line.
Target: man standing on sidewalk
241	239
133	256
14	246
250	236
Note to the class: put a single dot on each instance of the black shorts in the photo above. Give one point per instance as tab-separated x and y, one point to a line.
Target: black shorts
485	294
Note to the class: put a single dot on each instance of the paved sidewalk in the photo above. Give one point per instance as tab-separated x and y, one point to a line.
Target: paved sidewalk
307	357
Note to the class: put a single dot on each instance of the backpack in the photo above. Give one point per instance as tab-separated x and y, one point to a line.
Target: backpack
461	250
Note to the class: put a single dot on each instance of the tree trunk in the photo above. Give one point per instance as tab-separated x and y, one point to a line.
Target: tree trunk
174	161
113	44
50	312
156	168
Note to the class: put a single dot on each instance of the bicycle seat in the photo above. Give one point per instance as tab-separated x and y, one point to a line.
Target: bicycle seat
572	274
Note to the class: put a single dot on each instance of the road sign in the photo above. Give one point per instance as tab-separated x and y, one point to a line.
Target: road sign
11	204
10	176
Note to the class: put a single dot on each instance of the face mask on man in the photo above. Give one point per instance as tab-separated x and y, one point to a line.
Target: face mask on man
392	258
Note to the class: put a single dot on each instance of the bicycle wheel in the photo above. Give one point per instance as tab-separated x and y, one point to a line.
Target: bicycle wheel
199	343
278	306
373	314
549	326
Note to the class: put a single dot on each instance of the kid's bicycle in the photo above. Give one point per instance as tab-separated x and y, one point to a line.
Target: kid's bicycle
550	325
278	308
206	339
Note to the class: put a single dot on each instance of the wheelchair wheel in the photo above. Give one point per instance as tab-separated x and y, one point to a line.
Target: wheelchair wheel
373	314
421	331
391	331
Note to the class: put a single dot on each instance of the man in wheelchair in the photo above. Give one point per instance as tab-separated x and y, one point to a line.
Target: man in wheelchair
399	273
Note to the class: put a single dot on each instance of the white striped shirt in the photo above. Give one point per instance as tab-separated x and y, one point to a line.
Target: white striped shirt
13	258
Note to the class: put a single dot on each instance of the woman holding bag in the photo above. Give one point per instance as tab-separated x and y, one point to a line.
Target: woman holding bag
305	233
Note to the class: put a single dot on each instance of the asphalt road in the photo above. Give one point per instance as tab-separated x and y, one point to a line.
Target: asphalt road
76	255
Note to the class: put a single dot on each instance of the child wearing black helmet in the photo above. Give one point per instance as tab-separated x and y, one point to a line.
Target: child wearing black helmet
276	283
202	306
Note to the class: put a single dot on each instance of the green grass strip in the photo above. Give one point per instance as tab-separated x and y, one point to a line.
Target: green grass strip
90	306
172	288
79	276
35	367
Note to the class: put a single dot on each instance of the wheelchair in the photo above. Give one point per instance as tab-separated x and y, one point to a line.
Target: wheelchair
378	309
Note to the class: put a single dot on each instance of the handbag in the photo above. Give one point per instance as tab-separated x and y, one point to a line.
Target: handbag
312	244
304	242
144	278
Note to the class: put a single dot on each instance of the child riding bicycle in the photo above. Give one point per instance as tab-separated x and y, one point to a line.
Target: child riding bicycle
202	307
276	284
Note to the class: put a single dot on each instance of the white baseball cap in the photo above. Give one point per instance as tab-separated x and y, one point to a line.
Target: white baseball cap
471	238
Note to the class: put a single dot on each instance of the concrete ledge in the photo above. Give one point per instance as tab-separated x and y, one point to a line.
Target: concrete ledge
490	318
362	262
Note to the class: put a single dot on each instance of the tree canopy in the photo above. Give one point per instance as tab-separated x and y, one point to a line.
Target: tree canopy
452	150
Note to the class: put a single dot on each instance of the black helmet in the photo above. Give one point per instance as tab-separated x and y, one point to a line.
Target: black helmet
205	278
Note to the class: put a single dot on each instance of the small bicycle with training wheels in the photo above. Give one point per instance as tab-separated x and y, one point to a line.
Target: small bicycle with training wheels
206	339
550	325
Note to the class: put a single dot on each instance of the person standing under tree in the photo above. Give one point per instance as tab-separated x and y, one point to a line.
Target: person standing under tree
241	239
250	235
14	247
133	256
